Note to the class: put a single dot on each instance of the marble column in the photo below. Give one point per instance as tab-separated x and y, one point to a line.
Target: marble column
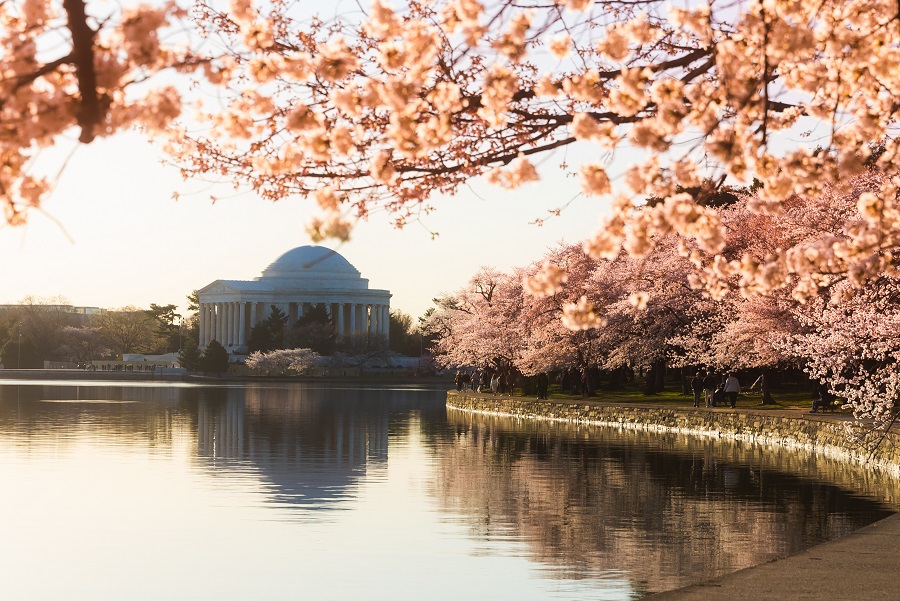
242	324
202	318
340	322
219	311
352	330
229	324
234	324
236	320
226	323
211	321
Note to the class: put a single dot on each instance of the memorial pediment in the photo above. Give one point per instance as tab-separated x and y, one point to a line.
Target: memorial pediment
218	287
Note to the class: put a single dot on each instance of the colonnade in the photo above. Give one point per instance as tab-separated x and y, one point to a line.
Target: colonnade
230	322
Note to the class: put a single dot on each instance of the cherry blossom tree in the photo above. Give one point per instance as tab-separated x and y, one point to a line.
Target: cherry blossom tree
298	360
548	344
66	65
479	322
390	106
385	110
83	344
853	347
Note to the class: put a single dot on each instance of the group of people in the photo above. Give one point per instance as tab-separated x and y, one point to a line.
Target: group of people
476	380
715	391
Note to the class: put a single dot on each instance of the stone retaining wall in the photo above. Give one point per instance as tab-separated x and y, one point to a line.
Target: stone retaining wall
827	435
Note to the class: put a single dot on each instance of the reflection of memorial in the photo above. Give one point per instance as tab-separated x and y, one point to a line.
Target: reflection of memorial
660	510
309	444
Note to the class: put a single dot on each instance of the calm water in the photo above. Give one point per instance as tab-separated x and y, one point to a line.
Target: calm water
306	492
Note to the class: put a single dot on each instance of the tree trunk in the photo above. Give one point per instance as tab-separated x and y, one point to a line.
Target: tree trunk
764	387
655	377
650	380
661	375
615	378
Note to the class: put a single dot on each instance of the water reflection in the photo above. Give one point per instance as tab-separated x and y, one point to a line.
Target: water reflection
666	510
309	483
308	448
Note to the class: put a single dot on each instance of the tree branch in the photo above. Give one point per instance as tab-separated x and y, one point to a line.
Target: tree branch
91	113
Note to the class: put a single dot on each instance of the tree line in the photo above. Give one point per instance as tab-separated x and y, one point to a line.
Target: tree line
38	330
569	312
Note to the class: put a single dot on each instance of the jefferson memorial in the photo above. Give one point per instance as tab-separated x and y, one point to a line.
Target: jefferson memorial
299	279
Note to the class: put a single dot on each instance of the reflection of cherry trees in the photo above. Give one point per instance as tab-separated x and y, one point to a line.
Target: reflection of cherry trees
666	509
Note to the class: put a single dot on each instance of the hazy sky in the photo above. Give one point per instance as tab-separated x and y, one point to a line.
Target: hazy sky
111	235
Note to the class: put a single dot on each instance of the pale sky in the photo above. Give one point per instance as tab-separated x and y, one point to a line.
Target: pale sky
110	234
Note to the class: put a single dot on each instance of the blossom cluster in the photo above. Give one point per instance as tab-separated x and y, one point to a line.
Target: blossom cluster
417	99
413	100
297	360
63	68
568	310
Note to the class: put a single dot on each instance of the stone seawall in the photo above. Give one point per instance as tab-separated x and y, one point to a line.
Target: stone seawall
826	434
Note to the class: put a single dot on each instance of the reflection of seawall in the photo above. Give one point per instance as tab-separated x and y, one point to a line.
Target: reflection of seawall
783	428
667	509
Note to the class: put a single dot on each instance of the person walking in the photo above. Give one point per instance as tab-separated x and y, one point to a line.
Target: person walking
709	389
732	388
495	384
543	383
697	387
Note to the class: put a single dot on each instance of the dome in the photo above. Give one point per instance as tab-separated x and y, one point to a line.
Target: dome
310	262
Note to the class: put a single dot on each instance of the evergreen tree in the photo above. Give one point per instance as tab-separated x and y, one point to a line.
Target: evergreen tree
268	335
166	331
314	330
404	338
190	357
190	326
215	358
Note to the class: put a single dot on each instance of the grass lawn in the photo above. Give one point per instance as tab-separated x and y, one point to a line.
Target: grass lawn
672	396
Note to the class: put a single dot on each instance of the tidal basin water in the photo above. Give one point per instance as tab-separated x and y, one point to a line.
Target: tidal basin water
312	491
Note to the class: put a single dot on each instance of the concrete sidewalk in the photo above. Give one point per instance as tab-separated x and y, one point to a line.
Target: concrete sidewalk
861	566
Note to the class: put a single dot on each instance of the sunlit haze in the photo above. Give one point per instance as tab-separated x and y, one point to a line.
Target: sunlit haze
111	234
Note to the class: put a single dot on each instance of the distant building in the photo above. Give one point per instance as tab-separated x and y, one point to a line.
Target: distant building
80	316
58	308
299	279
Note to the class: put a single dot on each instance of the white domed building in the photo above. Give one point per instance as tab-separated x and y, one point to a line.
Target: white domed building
297	280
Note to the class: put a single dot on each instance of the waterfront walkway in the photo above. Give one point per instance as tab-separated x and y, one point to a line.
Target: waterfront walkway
860	566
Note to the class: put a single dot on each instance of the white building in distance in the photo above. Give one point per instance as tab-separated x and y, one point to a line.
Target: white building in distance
297	280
